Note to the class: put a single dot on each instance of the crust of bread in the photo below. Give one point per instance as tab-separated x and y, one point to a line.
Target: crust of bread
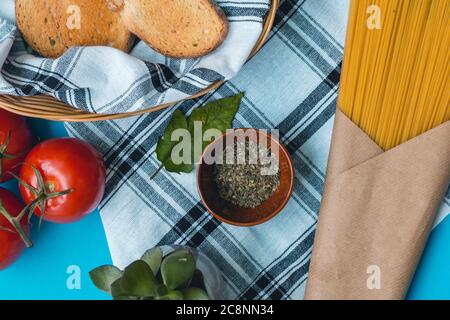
99	26
36	21
115	5
176	28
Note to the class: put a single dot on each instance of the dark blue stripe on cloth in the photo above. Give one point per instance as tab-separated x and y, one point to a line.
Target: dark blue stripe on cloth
266	280
233	12
161	76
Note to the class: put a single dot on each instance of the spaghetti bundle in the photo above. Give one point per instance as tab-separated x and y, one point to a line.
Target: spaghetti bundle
395	79
378	207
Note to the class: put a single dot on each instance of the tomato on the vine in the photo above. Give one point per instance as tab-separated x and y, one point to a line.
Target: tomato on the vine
13	233
63	177
15	142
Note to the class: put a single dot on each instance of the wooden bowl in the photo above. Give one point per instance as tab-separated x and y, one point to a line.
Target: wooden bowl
245	217
46	107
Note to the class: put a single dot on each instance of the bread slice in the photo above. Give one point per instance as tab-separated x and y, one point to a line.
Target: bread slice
98	25
36	21
175	28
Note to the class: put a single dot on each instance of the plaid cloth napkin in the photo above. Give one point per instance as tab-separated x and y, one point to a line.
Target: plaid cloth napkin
106	80
291	85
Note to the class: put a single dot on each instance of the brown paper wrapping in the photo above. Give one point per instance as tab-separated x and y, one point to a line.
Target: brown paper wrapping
377	210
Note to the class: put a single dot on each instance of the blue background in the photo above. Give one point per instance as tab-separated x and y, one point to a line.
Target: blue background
41	272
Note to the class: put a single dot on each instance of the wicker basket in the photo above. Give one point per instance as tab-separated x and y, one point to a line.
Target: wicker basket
46	107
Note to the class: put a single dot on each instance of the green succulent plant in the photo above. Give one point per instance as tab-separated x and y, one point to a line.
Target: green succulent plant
153	277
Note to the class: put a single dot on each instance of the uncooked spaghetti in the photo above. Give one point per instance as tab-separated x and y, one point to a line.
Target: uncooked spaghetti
395	79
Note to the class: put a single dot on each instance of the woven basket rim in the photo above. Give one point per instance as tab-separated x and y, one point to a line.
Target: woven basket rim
49	108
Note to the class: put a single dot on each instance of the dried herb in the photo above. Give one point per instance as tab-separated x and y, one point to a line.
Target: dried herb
242	181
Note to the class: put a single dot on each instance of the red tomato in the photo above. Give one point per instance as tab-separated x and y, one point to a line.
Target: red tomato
11	244
20	143
65	164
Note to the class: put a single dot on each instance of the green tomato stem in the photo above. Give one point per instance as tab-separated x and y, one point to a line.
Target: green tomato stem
15	222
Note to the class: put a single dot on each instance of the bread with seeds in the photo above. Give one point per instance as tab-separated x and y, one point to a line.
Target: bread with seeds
96	25
36	21
175	28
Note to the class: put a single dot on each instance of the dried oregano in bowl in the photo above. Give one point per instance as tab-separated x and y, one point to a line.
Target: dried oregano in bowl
243	178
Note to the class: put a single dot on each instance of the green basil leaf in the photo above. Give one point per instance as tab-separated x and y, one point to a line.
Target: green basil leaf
138	280
166	145
195	294
153	257
217	114
104	276
177	269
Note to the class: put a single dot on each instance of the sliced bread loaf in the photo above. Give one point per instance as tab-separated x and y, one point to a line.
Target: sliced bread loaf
36	21
175	28
95	24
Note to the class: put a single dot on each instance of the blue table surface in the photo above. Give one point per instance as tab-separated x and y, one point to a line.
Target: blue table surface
43	271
